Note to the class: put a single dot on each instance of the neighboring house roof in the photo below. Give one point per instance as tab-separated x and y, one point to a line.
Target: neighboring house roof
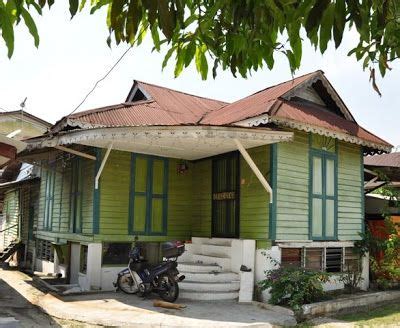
386	160
307	103
21	113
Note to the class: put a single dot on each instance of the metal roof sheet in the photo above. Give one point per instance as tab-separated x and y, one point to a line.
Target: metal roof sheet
390	160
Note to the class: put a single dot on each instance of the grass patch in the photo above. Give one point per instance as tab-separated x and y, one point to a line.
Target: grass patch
380	316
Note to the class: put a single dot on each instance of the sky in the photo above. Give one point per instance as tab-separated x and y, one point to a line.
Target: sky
73	55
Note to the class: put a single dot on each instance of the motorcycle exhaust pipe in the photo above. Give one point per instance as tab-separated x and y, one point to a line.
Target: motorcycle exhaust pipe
181	278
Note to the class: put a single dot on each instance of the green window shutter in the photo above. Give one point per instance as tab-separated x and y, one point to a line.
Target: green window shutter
148	195
323	195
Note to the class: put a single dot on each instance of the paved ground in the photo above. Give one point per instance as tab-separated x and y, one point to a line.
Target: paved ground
118	309
14	307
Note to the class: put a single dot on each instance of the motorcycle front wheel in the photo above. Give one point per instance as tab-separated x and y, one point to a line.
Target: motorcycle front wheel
127	284
168	288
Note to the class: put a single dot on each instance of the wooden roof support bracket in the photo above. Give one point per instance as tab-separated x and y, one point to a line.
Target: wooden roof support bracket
75	152
103	163
254	168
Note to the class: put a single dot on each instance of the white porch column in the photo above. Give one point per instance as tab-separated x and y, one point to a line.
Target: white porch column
93	269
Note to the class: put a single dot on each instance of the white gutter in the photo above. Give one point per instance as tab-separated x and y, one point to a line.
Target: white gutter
254	168
103	163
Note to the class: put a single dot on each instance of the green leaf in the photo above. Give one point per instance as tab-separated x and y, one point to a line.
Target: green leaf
168	56
73	7
340	22
116	10
201	62
166	19
7	30
179	62
29	22
190	52
326	27
315	15
155	36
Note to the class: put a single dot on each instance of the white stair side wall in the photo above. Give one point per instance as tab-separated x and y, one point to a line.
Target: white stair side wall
247	278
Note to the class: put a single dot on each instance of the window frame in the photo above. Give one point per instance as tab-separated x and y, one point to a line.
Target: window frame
149	195
49	198
324	155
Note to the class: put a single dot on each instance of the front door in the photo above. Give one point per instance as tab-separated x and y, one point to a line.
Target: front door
225	196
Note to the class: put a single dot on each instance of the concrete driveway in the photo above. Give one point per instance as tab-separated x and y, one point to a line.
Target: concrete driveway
118	309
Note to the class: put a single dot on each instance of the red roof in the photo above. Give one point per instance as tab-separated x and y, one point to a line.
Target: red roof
170	107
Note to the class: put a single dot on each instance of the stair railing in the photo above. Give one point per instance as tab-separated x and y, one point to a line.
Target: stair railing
8	228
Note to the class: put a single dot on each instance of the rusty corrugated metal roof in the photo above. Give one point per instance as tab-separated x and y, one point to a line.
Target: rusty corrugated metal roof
254	105
388	160
318	116
170	107
127	114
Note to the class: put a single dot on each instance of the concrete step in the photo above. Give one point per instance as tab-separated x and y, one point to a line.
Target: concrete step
224	262
211	277
216	250
198	267
212	241
212	296
232	286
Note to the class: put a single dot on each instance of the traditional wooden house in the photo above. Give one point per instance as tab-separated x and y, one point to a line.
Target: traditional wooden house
18	184
279	172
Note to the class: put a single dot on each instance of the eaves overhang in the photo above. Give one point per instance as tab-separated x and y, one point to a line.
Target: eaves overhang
284	122
183	142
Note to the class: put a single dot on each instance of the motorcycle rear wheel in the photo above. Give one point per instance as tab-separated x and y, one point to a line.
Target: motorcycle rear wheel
127	284
169	289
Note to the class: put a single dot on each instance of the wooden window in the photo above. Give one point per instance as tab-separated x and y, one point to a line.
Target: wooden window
323	195
75	222
314	258
291	257
49	198
116	253
44	250
148	199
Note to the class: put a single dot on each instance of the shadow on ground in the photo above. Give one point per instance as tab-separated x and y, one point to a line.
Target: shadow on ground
12	304
227	311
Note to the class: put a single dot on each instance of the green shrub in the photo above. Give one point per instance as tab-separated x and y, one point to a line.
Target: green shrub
294	286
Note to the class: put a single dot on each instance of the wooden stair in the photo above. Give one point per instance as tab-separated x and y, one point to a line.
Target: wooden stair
10	250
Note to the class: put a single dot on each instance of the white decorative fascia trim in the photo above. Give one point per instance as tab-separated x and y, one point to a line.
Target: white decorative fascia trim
157	132
264	119
333	134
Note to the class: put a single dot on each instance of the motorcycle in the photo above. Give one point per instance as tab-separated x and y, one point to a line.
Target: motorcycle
143	278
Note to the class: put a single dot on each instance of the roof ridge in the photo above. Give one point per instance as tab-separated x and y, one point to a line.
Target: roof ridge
278	84
109	107
183	92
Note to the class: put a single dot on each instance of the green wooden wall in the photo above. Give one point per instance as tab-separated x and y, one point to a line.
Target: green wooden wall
61	212
350	192
292	216
189	197
292	189
11	213
254	199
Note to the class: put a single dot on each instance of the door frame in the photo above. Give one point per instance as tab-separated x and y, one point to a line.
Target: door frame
236	156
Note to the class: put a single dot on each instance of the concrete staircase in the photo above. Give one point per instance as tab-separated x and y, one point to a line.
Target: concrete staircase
207	266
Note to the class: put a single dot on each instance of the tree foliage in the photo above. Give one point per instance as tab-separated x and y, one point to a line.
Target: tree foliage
240	35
